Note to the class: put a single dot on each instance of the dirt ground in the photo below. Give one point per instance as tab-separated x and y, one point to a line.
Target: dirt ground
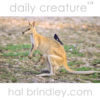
81	38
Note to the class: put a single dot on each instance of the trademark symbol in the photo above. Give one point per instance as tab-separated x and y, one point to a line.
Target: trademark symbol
90	2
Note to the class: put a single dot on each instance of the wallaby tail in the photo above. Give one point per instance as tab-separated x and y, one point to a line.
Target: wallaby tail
78	72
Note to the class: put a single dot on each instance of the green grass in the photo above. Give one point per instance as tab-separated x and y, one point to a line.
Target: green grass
72	63
84	69
95	75
37	52
85	77
16	47
96	61
13	79
98	45
96	81
15	50
31	72
7	75
92	76
73	50
28	70
80	69
63	70
14	54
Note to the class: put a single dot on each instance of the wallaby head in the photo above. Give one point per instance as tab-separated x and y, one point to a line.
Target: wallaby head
30	29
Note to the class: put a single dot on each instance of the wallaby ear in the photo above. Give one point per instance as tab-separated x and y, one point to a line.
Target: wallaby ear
33	23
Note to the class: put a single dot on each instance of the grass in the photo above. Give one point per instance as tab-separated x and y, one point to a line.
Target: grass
97	54
84	69
95	75
7	75
73	50
14	54
91	77
13	79
30	71
22	51
98	45
15	50
80	69
72	63
16	47
96	81
96	61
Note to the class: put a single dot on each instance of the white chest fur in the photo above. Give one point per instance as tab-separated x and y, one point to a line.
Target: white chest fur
32	39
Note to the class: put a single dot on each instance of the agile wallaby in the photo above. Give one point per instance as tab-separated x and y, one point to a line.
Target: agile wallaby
52	50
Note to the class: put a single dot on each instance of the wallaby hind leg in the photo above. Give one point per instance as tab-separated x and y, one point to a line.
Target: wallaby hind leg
50	68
